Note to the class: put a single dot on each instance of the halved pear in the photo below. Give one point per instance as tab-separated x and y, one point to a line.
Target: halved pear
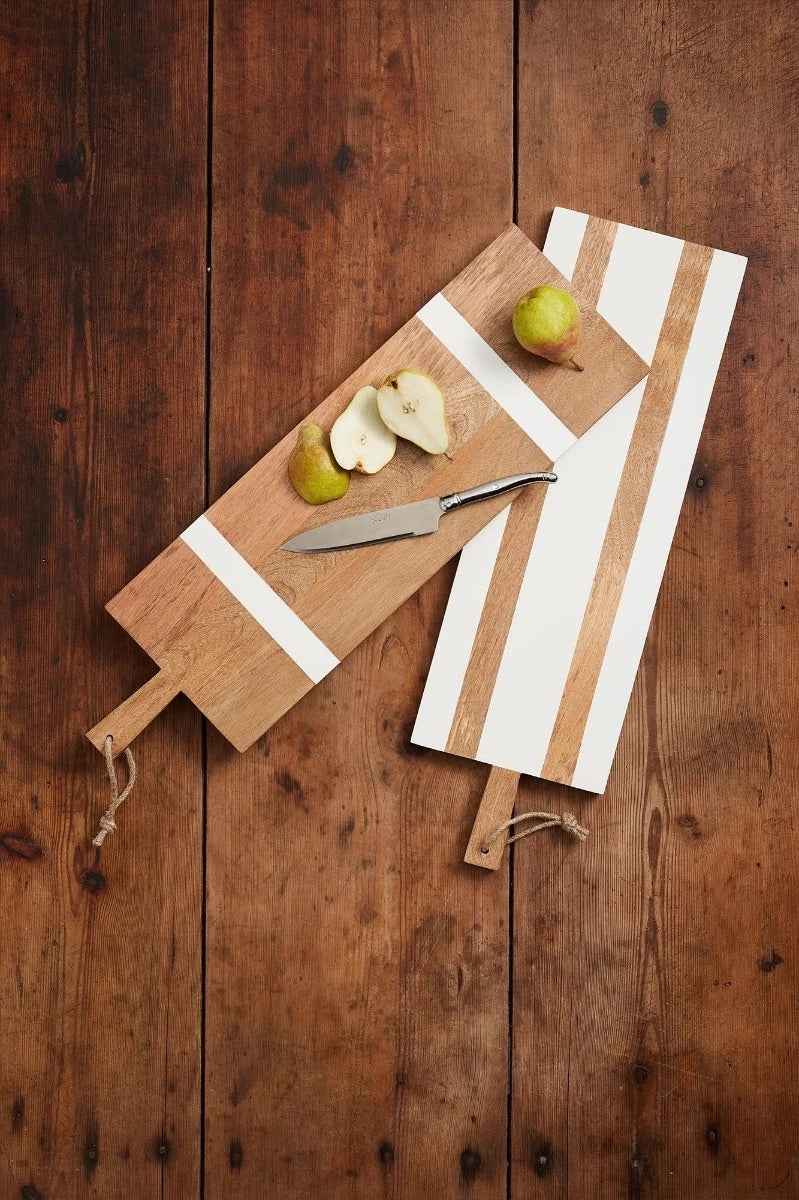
359	439
412	405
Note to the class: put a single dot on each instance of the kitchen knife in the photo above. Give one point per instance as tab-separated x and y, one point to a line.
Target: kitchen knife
404	520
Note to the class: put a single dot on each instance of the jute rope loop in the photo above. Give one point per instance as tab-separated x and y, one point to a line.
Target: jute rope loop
107	822
567	821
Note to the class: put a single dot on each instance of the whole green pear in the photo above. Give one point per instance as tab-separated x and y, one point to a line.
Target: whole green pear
314	473
547	322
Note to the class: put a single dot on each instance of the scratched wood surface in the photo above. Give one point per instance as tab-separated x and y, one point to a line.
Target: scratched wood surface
654	1044
102	210
356	1007
356	984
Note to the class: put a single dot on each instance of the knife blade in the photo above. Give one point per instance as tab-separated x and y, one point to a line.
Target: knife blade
404	520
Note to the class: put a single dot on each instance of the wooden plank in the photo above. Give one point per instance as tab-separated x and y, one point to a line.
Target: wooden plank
662	953
357	972
102	155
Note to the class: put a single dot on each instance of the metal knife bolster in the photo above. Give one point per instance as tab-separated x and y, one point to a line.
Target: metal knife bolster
498	487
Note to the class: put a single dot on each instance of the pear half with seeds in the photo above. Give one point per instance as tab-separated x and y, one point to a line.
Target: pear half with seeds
412	405
359	439
314	473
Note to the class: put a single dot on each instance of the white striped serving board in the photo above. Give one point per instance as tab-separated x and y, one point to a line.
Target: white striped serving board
551	603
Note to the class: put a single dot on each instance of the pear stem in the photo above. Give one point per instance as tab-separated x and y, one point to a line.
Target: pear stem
577	366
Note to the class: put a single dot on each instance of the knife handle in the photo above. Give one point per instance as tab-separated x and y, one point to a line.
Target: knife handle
498	487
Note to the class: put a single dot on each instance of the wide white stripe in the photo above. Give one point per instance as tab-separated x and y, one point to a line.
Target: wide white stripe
261	601
564	238
456	639
554	593
492	373
659	522
637	286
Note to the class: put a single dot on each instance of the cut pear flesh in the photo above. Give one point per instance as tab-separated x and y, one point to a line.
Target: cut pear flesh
359	439
412	406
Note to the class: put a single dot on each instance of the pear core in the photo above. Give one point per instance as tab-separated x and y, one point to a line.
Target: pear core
412	405
359	439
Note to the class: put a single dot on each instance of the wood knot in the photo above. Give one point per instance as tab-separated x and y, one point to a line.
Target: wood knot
640	1074
92	881
542	1159
236	1155
768	963
712	1139
20	845
385	1152
162	1149
660	113
470	1163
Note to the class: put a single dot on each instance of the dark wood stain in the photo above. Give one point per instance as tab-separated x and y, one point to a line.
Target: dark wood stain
236	1155
769	962
542	1159
91	1148
660	113
18	1113
470	1164
93	881
20	845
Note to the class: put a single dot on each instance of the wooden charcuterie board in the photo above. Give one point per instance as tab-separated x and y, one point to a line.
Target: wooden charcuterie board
551	604
244	628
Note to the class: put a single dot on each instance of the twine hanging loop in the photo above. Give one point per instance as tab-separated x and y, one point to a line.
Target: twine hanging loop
107	822
567	822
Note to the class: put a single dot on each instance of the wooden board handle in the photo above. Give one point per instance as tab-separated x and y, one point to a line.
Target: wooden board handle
133	715
496	807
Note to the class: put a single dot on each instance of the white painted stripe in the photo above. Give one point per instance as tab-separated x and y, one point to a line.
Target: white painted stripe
637	286
661	514
564	238
492	373
554	594
260	600
456	639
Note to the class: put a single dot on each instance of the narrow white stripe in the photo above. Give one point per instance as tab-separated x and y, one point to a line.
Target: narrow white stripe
456	639
493	373
261	601
659	522
554	594
564	238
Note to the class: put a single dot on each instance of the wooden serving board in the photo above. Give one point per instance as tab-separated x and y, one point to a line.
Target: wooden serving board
550	608
244	628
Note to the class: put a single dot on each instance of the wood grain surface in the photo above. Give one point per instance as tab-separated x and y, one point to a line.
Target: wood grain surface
357	1013
356	1035
663	953
103	167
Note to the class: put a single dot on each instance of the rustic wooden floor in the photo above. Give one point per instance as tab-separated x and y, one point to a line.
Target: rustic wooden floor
280	981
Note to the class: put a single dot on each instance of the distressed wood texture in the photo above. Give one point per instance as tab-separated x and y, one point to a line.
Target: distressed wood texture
102	210
357	972
654	1047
